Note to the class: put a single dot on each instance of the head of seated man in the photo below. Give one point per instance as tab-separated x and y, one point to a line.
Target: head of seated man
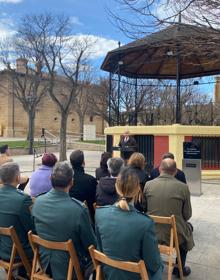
77	159
168	155
114	166
5	150
168	166
62	177
10	174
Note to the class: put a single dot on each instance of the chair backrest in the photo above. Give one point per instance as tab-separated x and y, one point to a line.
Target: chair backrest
16	249
99	258
173	231
174	243
67	246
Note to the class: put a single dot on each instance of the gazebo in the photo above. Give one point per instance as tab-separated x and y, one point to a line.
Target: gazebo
178	52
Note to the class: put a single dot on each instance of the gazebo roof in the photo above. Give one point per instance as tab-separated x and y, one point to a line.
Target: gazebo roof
155	56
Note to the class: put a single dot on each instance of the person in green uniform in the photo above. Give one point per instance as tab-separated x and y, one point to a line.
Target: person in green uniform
14	210
58	217
123	233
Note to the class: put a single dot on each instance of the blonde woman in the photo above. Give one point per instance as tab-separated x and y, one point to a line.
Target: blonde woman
123	233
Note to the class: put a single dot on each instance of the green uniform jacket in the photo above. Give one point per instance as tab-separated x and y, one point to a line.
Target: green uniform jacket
165	196
15	211
129	236
58	217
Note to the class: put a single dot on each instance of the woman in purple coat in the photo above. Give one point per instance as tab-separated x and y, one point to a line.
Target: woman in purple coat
40	179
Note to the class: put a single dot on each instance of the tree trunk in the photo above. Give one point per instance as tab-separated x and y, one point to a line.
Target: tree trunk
63	127
31	120
81	123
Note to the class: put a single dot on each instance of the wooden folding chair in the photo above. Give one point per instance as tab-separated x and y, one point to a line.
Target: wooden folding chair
99	258
173	248
17	249
37	272
94	206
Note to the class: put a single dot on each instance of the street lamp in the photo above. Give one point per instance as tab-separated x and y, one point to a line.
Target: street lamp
31	98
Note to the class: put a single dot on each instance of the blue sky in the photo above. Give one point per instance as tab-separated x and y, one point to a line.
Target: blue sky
90	16
87	16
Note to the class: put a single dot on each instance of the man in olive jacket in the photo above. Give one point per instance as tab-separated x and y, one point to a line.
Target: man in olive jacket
166	196
58	217
14	211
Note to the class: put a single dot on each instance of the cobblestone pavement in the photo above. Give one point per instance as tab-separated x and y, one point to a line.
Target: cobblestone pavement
205	257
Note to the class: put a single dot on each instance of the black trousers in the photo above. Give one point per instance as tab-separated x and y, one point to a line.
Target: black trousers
183	254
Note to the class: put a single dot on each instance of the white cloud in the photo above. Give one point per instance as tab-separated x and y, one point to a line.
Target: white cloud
99	45
75	21
11	1
6	27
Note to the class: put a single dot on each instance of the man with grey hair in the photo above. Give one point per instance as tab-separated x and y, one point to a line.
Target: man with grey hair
105	191
14	211
166	196
59	217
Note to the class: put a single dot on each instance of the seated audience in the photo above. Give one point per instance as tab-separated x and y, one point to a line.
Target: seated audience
5	154
179	174
5	157
84	184
106	192
166	196
14	211
137	161
58	217
123	233
102	171
40	179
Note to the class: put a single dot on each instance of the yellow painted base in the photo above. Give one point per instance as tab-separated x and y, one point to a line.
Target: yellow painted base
210	174
176	134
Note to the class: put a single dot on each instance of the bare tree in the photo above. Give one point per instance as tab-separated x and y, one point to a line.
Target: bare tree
141	17
82	105
63	56
28	85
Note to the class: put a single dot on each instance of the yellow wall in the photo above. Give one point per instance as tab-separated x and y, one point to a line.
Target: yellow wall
176	134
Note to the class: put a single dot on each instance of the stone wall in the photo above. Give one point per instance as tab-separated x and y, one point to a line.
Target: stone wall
14	119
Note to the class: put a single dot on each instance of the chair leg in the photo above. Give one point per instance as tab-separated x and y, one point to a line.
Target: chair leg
179	263
170	267
99	273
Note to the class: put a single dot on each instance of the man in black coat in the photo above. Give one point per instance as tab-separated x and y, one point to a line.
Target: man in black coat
128	145
179	175
84	188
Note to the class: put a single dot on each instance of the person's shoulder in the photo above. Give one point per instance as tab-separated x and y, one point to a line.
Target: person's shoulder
22	195
102	210
90	177
142	217
81	206
154	181
180	185
40	194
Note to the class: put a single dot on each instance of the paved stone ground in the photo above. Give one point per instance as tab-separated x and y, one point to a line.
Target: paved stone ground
205	257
